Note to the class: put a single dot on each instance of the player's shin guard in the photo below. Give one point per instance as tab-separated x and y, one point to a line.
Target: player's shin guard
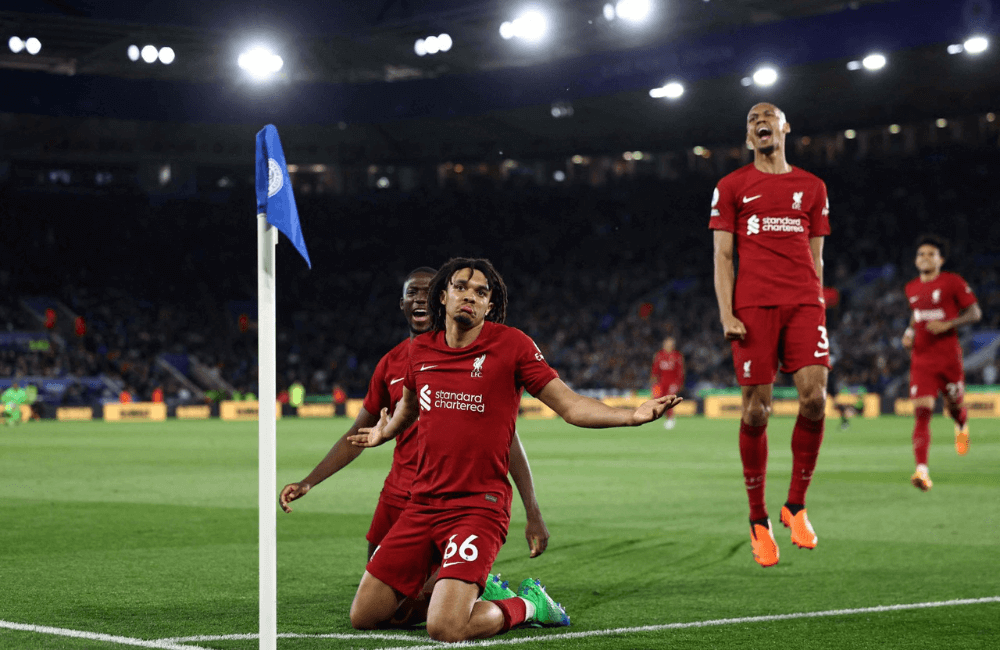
514	612
921	434
753	453
807	436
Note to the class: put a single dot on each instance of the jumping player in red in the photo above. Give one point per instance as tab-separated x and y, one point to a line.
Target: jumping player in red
941	302
668	375
464	380
774	216
385	389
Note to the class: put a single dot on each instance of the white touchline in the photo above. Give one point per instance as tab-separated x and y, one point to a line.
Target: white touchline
94	636
693	624
293	635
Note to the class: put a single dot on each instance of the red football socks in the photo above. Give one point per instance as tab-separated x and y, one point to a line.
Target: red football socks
922	434
807	436
753	453
514	612
959	414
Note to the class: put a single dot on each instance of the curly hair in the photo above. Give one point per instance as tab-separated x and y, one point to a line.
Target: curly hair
936	241
439	284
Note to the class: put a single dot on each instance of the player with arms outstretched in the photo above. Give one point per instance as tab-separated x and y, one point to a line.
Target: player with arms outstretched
774	217
940	302
668	375
385	389
464	380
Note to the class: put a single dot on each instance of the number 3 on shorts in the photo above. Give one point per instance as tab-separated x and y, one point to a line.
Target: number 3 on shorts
467	551
823	344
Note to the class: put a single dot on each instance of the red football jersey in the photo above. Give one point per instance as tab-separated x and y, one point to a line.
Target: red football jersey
385	389
668	367
940	299
469	399
772	218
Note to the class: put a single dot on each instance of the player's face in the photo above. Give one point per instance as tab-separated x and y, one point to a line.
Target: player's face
414	302
467	298
668	345
929	259
766	128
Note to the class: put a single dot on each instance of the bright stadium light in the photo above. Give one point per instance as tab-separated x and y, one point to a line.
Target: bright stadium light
530	26
853	65
765	76
15	44
444	42
260	63
956	48
671	90
873	62
34	46
431	43
609	12
149	53
133	52
420	47
633	11
976	44
167	55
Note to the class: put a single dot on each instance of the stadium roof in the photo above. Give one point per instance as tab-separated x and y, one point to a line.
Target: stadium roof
351	73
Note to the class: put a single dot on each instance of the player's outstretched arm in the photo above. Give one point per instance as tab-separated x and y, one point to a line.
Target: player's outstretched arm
339	456
388	428
535	531
590	413
725	280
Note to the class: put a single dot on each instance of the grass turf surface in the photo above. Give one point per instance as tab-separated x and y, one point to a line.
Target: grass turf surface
149	531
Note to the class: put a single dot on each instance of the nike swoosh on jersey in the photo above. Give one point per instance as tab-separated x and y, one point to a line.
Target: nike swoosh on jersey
444	564
747	199
914	298
423	367
820	354
396	381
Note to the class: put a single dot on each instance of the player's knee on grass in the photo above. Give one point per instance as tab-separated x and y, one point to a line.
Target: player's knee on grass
374	604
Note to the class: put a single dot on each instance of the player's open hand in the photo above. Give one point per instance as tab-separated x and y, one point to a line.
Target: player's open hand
733	328
537	535
372	436
654	408
290	493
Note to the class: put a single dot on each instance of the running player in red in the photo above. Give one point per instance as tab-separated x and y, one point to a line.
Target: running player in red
384	391
941	302
464	380
774	217
668	375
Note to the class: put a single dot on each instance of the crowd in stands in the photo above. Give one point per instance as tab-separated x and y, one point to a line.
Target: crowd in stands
596	275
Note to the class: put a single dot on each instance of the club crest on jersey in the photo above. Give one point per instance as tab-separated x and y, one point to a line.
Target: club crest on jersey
797	200
477	366
746	368
936	296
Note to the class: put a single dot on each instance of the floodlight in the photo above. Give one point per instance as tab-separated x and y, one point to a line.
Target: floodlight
260	62
507	30
431	43
530	26
853	65
15	44
609	12
420	47
559	175
765	76
850	134
149	53
634	11
383	182
671	90
133	52
873	62
955	48
444	42
894	129
976	44
34	46
167	55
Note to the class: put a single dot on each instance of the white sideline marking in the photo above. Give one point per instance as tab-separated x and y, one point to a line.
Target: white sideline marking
294	635
161	644
711	623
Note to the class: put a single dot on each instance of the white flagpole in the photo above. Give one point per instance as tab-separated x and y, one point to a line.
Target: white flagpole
267	239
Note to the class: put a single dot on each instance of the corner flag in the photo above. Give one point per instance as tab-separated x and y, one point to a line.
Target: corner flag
274	189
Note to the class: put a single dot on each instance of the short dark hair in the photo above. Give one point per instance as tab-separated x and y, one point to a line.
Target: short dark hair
420	270
498	290
936	241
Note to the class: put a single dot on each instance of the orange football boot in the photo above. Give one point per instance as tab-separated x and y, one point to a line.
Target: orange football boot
803	534
962	439
922	479
765	549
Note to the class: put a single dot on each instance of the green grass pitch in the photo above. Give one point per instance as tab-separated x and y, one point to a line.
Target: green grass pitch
149	532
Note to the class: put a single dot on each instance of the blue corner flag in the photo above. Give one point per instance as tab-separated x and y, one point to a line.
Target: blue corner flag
274	189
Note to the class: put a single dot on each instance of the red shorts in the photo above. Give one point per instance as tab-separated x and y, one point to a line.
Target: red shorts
464	542
928	377
387	511
792	336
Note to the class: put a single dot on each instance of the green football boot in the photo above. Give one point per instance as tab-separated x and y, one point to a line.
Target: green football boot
547	612
497	589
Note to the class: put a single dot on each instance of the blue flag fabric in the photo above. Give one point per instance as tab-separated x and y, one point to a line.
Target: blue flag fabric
274	189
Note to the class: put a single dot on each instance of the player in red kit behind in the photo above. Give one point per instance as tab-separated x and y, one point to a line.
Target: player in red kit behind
464	380
774	217
668	375
940	302
385	389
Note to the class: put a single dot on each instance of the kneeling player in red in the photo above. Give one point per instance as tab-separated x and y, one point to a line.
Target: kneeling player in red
940	302
464	380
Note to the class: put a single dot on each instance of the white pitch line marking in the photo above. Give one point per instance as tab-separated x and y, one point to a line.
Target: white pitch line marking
294	635
95	636
711	623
